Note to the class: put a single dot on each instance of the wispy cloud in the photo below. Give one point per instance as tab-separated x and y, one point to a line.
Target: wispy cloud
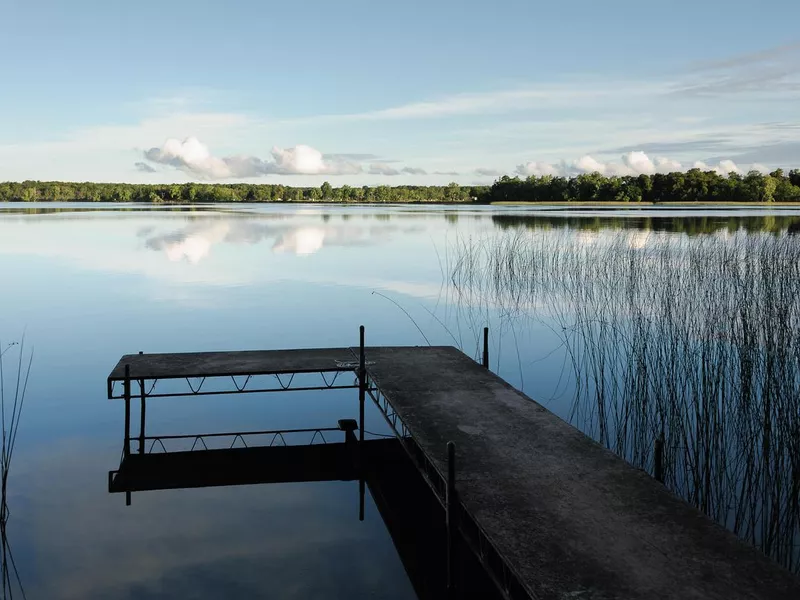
498	101
704	112
144	167
382	169
413	171
769	72
352	156
750	58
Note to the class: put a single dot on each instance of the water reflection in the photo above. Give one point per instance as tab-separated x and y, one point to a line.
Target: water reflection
690	224
195	241
92	283
408	509
283	541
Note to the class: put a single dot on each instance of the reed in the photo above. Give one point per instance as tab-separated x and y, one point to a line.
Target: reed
13	389
695	340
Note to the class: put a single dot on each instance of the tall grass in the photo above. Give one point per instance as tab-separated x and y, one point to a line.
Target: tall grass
696	340
12	400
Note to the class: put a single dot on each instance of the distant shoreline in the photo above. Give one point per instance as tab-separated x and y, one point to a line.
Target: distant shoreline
648	204
692	188
560	204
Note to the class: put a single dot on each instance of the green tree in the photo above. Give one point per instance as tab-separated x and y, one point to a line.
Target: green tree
327	190
29	194
189	192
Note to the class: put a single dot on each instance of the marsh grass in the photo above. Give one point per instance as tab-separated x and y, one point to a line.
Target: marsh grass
696	340
13	388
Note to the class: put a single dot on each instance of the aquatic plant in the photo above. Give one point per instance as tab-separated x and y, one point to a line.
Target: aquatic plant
694	341
10	413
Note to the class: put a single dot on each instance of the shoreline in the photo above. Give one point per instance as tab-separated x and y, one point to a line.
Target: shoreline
561	204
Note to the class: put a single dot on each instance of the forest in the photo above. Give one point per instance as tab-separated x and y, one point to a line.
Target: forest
55	191
692	186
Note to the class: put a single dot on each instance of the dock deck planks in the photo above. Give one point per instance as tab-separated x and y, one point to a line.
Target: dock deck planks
223	364
571	519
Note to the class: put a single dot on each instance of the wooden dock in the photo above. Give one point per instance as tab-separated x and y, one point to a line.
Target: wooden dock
547	512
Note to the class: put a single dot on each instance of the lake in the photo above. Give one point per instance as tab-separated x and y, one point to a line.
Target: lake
88	283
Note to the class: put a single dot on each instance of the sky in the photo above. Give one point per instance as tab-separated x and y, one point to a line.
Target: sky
367	93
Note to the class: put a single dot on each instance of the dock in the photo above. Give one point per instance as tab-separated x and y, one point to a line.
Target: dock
545	511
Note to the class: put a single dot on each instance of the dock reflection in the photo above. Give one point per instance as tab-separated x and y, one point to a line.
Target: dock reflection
412	515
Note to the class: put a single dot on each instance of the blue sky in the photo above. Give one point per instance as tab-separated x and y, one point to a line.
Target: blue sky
362	92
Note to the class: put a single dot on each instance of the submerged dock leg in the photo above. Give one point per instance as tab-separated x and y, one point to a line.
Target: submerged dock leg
450	519
658	459
362	384
126	450
486	347
362	393
141	421
141	415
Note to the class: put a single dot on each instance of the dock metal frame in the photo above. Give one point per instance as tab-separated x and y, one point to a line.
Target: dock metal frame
443	485
284	383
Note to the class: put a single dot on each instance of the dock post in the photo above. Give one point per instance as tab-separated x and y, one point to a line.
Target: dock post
142	415
362	392
126	386
658	459
486	347
450	518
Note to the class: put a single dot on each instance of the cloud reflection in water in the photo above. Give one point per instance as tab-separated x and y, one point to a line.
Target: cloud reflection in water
195	241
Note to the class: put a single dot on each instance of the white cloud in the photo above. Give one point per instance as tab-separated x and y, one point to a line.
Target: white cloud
723	168
728	166
633	163
538	169
483	172
587	164
639	163
194	157
190	155
305	160
667	165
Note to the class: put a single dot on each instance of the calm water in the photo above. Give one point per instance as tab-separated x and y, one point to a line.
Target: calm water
87	284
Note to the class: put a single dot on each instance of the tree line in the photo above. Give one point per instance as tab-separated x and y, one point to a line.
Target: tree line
58	191
693	186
